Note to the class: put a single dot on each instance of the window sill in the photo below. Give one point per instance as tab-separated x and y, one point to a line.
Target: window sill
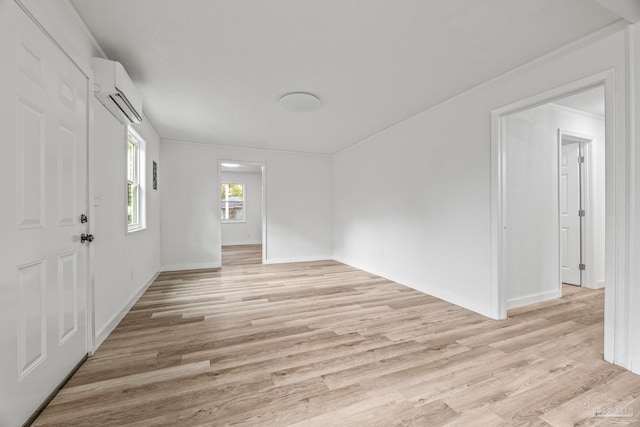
135	229
226	221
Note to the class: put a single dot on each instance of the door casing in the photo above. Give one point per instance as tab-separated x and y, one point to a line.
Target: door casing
617	213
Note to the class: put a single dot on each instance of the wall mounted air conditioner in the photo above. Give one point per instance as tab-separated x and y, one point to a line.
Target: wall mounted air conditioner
116	91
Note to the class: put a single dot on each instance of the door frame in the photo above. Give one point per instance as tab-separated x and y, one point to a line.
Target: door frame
587	229
263	177
616	217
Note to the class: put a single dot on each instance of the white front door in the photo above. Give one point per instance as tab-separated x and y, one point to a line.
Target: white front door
569	213
43	191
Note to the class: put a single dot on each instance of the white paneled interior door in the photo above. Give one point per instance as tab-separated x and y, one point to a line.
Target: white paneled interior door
569	213
43	188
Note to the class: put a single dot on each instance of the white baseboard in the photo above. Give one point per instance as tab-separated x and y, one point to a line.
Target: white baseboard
532	299
425	288
253	242
635	366
298	259
597	285
198	266
103	333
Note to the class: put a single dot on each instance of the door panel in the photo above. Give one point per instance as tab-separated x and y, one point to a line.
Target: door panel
569	219
43	185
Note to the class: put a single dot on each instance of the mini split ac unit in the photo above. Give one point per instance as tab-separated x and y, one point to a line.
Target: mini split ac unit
116	91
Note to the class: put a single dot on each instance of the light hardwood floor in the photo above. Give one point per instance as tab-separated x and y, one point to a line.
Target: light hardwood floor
324	344
241	255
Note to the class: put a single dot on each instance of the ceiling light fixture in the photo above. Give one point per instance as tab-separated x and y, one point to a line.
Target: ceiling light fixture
300	102
230	165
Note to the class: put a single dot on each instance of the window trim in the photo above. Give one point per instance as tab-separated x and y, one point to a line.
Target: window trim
244	203
140	166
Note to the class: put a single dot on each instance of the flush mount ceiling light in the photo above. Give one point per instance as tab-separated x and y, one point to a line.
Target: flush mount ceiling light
300	102
230	165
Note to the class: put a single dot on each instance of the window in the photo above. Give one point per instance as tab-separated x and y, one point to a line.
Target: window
135	182
232	202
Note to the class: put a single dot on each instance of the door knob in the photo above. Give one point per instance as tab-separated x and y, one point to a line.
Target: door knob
86	238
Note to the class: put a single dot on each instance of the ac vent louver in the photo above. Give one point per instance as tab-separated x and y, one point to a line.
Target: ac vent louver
116	91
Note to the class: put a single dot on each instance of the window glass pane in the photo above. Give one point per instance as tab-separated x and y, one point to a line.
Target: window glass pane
135	181
131	161
132	203
232	202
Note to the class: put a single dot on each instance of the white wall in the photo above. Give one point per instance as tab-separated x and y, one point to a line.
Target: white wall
532	199
249	231
122	265
413	202
298	204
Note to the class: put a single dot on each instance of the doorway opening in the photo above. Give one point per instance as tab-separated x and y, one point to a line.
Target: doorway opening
544	218
555	197
581	204
242	212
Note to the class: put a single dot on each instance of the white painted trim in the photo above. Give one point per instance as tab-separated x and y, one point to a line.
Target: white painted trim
617	215
91	210
588	230
633	296
264	213
599	284
263	183
245	242
425	288
573	111
194	266
106	330
532	299
498	217
141	169
298	259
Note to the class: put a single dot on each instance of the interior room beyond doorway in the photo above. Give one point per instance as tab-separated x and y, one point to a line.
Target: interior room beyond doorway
555	196
242	213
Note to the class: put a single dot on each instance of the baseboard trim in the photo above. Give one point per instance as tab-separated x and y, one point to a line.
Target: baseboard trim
259	242
298	259
117	318
532	299
425	288
197	266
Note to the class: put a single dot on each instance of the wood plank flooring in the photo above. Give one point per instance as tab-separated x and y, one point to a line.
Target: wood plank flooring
241	255
324	344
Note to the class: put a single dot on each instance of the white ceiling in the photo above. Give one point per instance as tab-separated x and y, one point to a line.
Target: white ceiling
591	101
241	167
213	71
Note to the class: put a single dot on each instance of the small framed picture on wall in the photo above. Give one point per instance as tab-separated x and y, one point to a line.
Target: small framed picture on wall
155	175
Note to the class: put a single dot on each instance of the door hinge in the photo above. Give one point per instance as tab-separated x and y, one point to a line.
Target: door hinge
580	159
581	212
582	267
